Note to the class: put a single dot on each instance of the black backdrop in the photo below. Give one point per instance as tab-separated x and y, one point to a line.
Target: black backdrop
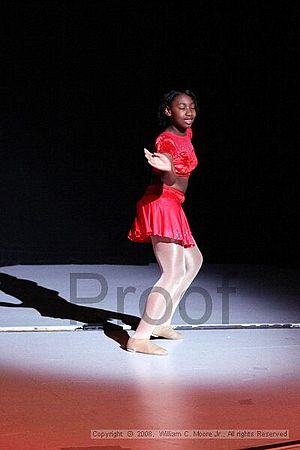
80	89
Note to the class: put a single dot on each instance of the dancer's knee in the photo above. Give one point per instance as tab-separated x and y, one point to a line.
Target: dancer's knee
173	276
196	265
199	261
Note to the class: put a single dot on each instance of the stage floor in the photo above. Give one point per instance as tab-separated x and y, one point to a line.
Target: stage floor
215	384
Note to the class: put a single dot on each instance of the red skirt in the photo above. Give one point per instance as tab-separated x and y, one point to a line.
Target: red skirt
159	213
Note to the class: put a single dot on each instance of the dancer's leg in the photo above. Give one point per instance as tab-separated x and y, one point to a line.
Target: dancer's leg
159	305
193	261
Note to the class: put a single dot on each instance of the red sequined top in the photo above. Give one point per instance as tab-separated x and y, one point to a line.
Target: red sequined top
180	148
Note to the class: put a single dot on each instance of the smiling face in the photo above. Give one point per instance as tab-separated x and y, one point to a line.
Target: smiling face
181	113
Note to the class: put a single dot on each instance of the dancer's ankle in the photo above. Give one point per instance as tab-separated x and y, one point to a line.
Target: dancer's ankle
164	325
141	335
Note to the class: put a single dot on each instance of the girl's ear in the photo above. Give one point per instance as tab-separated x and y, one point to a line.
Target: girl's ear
167	111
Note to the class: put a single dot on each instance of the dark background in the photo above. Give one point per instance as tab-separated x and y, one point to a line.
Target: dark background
81	82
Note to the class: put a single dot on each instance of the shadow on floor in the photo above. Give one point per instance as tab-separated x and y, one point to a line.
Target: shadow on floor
49	303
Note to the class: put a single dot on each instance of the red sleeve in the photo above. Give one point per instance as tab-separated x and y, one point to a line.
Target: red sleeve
165	144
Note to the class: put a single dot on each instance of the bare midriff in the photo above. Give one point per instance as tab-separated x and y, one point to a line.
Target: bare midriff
180	183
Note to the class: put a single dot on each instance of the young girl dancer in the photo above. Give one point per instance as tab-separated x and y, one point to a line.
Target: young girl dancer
161	220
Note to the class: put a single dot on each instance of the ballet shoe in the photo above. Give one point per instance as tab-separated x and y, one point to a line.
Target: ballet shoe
144	346
167	332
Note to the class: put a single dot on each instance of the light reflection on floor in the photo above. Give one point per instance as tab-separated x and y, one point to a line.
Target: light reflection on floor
56	387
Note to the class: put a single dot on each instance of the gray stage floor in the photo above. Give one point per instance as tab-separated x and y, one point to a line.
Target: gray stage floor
217	388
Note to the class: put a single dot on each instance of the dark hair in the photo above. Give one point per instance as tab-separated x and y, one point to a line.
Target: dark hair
167	101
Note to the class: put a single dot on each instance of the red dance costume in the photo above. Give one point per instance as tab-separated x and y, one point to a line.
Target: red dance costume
159	212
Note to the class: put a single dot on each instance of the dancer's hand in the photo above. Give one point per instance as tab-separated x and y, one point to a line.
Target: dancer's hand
160	161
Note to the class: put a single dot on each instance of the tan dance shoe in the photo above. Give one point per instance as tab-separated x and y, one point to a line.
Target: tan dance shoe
167	332
144	346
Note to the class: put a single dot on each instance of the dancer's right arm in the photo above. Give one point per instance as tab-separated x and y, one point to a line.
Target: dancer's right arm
164	163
